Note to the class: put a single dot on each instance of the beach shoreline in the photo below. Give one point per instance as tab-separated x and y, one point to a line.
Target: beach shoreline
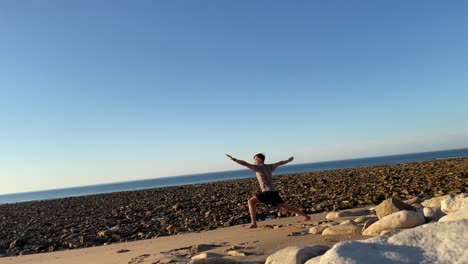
114	218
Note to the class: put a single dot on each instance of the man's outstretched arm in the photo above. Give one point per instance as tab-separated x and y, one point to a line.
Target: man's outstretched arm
279	163
241	162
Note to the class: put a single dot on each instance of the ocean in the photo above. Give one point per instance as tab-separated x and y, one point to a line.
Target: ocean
228	175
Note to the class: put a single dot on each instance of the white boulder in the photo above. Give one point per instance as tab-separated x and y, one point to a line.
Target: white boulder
401	219
435	202
431	243
454	204
296	255
458	216
432	214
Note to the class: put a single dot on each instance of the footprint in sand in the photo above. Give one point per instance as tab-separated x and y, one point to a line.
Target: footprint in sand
138	259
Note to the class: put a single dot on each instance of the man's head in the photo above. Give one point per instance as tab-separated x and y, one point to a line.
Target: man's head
259	158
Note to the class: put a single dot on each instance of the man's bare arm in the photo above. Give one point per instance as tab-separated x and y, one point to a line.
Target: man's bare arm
241	162
279	163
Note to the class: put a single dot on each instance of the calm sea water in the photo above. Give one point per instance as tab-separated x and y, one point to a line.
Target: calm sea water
227	175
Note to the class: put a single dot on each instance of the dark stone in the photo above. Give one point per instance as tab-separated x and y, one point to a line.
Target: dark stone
18	243
86	239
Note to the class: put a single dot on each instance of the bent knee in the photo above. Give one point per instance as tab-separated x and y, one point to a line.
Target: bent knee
253	200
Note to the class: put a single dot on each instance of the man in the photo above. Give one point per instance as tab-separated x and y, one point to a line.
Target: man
269	194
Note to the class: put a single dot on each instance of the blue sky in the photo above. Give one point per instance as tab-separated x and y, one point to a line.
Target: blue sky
103	91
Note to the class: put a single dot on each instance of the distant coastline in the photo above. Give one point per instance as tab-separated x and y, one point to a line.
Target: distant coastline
229	175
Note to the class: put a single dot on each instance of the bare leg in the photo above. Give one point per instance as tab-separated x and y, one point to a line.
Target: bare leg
252	203
290	208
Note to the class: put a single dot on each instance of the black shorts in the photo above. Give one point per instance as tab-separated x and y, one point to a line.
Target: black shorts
270	198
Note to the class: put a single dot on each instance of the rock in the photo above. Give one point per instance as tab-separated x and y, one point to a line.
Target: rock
348	222
205	255
315	260
454	204
105	233
18	243
337	215
203	247
296	255
169	228
390	232
461	215
413	200
176	207
74	244
298	233
401	219
42	245
236	253
213	260
432	214
317	230
332	216
342	229
166	260
369	223
115	228
210	258
431	243
391	206
100	240
436	201
86	239
363	219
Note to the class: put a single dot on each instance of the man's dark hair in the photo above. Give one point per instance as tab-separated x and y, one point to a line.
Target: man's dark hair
261	156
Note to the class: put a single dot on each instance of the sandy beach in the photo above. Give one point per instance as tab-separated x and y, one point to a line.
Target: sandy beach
175	223
257	244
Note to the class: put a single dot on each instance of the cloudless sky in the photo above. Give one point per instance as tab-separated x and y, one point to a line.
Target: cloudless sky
103	91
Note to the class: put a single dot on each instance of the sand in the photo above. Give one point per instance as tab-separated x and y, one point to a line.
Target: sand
258	244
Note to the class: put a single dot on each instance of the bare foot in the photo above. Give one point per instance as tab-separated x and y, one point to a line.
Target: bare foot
251	226
306	218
